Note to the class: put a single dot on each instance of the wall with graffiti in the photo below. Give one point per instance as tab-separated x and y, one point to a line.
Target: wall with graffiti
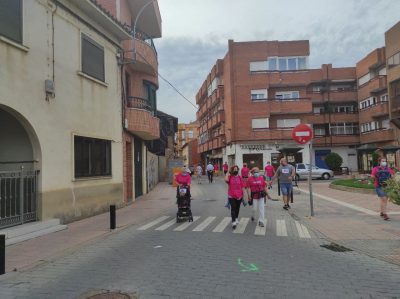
152	171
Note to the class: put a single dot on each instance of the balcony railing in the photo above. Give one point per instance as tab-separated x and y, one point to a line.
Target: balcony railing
379	135
139	103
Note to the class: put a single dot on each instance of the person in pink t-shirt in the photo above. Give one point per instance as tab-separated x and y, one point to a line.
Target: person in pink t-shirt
381	174
216	169
235	193
257	194
269	173
245	171
225	167
183	179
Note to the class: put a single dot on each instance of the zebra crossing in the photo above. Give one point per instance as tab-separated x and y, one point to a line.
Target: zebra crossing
278	227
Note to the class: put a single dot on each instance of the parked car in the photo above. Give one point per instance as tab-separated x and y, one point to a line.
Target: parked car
302	171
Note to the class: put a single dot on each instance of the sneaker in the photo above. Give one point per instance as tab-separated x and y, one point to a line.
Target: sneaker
285	207
288	206
237	221
381	214
234	224
252	219
260	224
385	217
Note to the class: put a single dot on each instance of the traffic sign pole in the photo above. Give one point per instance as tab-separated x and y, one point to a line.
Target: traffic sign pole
302	134
310	180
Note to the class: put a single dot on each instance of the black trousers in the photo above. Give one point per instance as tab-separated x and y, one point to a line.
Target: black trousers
235	207
210	176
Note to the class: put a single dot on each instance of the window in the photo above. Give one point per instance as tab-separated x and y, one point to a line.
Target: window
344	128
272	63
92	157
11	19
282	64
190	134
287	123
259	94
394	60
382	72
284	95
92	58
150	94
213	86
319	130
364	79
292	64
260	123
318	109
258	66
302	63
344	109
384	98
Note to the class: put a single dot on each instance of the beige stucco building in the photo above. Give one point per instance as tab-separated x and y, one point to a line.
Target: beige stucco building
70	136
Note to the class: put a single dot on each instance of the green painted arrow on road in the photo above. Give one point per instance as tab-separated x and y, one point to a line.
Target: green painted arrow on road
248	268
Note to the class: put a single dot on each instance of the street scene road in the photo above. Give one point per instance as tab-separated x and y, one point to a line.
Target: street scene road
159	258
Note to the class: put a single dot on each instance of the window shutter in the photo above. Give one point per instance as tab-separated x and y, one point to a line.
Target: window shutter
92	58
11	19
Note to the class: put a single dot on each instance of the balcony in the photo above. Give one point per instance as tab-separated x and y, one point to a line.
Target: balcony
145	58
140	119
340	96
294	106
378	84
377	136
378	110
332	118
336	140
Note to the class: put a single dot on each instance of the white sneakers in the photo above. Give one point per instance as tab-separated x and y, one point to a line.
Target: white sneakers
235	223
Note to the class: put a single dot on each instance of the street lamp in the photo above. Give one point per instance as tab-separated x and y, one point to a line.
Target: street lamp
136	20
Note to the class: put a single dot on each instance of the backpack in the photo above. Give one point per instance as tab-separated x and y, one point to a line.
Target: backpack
382	175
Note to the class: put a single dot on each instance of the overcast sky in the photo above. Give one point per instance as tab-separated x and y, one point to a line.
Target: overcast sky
196	33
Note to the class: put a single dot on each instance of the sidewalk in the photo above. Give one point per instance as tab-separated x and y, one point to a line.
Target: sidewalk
45	248
351	219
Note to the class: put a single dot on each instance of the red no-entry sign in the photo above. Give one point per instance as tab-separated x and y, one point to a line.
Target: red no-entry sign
302	133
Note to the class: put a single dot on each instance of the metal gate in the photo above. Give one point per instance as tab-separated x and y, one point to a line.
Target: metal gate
18	197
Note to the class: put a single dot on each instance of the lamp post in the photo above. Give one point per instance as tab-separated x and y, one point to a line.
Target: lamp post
136	20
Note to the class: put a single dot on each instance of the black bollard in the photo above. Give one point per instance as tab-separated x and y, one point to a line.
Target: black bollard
112	217
2	254
291	196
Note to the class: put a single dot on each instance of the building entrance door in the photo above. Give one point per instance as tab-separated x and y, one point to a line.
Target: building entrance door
138	156
129	172
253	160
320	158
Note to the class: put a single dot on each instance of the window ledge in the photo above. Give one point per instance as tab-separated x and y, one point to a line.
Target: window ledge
92	178
92	79
14	44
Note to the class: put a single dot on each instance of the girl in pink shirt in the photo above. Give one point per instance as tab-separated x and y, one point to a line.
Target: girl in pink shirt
258	189
235	193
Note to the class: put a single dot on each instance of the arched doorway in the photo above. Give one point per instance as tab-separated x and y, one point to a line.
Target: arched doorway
20	162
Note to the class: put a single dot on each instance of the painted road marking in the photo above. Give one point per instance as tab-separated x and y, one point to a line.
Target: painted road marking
260	231
153	223
204	224
166	225
302	230
281	230
186	224
222	225
345	204
241	226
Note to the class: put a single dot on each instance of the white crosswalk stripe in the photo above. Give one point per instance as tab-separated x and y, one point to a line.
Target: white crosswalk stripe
185	225
222	225
281	230
241	226
166	225
260	231
208	224
204	224
302	230
153	223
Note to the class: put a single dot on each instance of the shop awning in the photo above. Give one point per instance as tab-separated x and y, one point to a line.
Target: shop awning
289	150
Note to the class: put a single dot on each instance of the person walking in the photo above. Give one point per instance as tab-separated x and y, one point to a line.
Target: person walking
199	173
216	169
225	168
235	193
256	192
269	172
210	172
285	174
381	174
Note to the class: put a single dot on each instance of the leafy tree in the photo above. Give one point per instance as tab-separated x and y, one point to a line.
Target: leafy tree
334	161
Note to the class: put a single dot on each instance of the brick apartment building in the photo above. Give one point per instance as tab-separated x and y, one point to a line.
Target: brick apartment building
260	90
185	134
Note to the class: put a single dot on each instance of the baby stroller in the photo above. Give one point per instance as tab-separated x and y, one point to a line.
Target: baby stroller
183	200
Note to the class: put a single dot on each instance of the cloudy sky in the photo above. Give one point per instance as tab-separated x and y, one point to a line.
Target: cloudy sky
196	33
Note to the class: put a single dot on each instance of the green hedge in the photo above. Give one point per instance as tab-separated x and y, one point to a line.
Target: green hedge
355	183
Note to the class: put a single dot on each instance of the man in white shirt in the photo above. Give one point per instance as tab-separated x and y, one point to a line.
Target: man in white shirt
210	172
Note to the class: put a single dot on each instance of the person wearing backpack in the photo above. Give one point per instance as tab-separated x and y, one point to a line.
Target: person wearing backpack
381	174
